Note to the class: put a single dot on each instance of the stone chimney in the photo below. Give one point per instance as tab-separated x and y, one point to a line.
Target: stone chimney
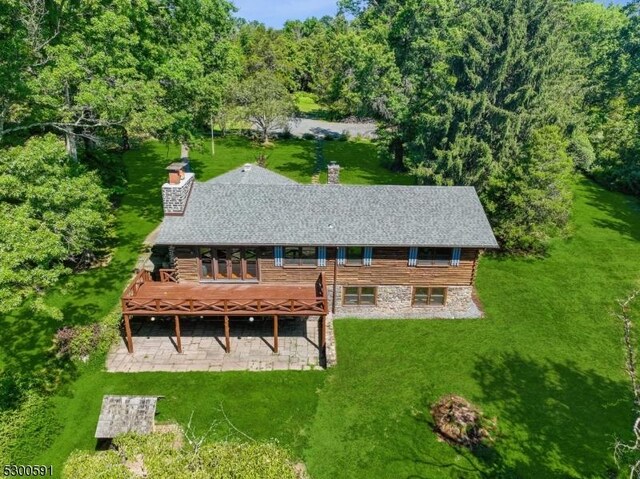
175	193
333	176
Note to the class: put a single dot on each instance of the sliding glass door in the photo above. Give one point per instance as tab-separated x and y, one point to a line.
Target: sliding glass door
228	264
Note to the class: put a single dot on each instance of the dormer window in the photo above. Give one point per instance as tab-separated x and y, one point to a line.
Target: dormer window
434	256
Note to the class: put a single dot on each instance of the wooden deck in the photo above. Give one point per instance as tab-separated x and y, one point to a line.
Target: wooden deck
145	297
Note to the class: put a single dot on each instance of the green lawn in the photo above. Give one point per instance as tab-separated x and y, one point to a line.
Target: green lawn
357	167
547	360
278	405
308	105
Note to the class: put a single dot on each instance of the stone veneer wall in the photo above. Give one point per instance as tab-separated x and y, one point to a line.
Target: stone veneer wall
330	350
333	174
174	197
395	302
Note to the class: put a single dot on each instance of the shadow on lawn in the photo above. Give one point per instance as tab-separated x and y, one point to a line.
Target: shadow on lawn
560	417
554	421
622	211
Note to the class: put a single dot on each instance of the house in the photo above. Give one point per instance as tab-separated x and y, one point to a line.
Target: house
252	242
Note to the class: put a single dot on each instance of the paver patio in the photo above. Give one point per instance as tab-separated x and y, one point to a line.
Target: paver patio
203	346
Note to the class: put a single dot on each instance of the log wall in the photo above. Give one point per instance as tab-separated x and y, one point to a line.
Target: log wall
389	267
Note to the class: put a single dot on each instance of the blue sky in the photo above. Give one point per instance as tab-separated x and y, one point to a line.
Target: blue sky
274	12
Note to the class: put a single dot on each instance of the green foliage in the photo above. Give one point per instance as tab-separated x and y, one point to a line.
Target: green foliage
461	89
161	457
581	151
82	341
608	40
265	103
532	202
26	430
53	214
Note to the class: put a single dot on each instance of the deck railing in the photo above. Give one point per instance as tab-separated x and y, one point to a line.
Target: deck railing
168	276
224	306
140	278
131	304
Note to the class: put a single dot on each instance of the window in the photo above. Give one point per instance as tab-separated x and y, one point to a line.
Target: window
354	255
300	256
359	296
206	262
434	256
429	296
228	264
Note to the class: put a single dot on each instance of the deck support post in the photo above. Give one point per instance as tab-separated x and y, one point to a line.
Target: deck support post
178	340
227	343
323	331
127	328
275	333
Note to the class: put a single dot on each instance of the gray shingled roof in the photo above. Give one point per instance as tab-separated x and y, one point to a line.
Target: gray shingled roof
294	214
253	175
123	414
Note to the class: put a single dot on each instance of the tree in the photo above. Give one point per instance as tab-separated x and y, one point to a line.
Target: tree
531	202
91	69
472	83
54	215
265	103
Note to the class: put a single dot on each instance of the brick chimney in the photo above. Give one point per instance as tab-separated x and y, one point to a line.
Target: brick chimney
333	176
175	193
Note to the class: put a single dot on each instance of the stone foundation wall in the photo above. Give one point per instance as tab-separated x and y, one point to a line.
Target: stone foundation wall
331	353
395	302
174	197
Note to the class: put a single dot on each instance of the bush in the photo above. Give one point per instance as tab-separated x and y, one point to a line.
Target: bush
27	430
163	455
308	136
80	342
581	151
459	422
286	134
261	160
329	137
344	136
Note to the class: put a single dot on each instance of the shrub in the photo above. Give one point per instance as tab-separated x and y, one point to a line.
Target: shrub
286	134
329	137
163	455
344	136
459	422
80	342
581	151
27	430
261	160
308	136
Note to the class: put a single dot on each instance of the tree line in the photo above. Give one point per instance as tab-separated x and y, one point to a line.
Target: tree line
509	96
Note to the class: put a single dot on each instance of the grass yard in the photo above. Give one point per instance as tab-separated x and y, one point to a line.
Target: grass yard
547	360
308	105
278	406
356	167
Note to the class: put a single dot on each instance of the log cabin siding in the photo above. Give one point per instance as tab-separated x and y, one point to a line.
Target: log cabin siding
186	264
389	267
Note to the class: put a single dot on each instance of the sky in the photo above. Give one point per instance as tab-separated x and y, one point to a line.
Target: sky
273	13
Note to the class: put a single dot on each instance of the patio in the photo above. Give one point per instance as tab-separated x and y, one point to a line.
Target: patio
203	346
